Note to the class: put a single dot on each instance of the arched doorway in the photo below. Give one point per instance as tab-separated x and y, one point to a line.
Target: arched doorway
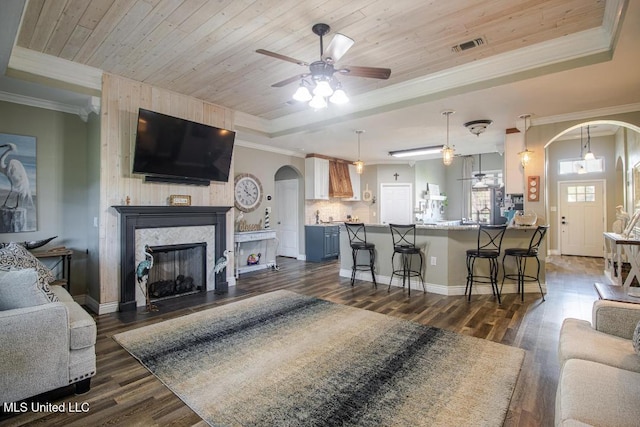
613	143
288	215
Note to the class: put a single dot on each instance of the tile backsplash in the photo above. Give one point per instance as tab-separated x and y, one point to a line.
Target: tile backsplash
336	209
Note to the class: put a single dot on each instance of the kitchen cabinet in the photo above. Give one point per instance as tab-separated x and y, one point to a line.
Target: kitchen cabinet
316	182
355	184
513	170
322	242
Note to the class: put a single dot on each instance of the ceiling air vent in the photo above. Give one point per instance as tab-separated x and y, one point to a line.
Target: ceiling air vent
468	45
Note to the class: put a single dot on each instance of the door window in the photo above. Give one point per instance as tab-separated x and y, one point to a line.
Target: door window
581	193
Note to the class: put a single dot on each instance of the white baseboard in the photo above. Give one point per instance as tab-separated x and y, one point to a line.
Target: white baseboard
96	307
451	290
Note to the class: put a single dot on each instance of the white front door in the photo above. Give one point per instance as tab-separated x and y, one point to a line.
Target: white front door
582	215
287	226
396	204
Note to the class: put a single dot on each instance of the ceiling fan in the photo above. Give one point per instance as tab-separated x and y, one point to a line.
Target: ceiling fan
479	176
320	76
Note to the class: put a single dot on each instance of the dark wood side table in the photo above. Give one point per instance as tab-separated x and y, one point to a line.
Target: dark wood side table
64	260
615	293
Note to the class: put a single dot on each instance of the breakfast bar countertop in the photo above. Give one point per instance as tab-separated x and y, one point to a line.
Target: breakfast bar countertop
444	247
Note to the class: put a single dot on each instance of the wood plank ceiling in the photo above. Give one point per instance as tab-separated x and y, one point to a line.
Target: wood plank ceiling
206	49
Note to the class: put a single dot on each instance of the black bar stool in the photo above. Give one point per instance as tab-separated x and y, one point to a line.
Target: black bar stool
521	255
489	243
404	243
358	242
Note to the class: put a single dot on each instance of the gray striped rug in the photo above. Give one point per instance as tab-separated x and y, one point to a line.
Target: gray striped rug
283	359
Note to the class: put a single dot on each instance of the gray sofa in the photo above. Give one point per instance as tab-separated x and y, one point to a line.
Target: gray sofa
599	382
45	347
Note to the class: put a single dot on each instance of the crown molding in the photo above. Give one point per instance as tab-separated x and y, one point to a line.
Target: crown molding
587	114
92	105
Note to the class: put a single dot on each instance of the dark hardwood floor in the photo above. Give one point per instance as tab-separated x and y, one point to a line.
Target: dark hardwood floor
125	393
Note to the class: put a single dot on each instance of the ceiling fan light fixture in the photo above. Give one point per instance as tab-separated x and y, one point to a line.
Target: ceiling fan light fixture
339	96
323	88
318	102
412	152
302	94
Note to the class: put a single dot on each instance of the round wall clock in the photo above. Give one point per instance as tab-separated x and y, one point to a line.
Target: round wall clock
248	192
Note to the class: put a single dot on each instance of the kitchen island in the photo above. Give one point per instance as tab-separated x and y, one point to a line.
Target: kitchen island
444	249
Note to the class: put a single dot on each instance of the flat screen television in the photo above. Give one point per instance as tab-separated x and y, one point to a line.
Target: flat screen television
171	149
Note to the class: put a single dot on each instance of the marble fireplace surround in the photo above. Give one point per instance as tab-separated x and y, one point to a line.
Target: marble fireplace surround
140	217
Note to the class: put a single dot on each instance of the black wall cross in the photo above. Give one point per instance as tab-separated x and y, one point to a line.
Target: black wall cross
396	175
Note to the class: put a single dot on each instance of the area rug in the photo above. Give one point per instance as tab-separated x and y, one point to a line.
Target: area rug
284	359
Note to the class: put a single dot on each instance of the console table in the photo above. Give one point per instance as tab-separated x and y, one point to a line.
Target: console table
246	237
64	260
614	244
615	293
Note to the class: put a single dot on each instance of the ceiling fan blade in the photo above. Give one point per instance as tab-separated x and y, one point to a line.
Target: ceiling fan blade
339	45
283	57
369	72
290	80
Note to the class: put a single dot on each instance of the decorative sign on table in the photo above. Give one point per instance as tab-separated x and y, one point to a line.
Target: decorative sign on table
244	226
179	200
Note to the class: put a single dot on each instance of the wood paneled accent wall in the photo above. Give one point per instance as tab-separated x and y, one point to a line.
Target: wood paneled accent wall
121	99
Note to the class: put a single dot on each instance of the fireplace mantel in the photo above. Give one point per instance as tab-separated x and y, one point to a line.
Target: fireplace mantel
134	217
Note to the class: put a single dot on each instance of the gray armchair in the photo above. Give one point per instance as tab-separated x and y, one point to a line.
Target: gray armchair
45	347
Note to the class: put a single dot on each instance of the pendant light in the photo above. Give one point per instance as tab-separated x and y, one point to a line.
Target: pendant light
447	151
525	155
359	163
589	155
581	168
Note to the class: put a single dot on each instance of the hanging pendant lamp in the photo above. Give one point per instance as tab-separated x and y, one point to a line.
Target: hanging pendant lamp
525	155
359	163
589	154
447	151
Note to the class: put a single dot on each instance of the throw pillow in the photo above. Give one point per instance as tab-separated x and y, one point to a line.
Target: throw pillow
636	339
19	288
16	257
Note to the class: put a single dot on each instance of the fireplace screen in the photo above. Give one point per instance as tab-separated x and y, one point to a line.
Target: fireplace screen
178	270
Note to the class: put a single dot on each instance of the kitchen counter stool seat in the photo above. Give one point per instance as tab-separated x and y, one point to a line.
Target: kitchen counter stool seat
521	255
358	242
488	247
404	243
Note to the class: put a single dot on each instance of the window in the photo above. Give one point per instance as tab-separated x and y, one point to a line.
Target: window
481	204
581	193
579	166
481	195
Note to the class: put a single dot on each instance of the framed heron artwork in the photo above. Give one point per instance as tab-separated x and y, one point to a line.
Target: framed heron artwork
17	183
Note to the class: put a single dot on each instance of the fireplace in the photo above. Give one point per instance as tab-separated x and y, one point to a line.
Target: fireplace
177	270
157	219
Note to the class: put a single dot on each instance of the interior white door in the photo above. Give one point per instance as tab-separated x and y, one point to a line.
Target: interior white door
582	213
396	203
287	225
